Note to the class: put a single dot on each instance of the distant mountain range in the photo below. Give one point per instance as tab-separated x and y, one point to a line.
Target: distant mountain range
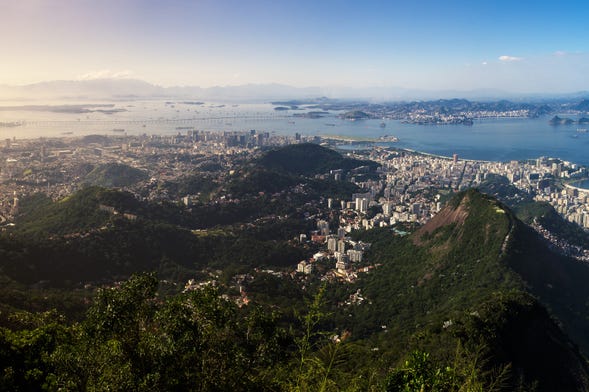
129	89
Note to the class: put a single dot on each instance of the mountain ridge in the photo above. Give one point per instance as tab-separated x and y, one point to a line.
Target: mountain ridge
121	89
469	277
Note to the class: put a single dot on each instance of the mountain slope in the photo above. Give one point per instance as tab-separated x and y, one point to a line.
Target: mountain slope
85	210
115	175
558	281
467	278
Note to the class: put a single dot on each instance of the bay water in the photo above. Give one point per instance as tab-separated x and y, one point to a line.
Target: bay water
495	139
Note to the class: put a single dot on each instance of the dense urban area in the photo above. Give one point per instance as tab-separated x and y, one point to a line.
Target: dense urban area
409	186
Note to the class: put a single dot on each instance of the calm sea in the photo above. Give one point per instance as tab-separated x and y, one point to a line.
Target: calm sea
490	139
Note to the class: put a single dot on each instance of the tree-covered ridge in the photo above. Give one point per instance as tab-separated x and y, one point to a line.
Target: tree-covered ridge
126	247
533	212
76	213
97	233
115	175
559	282
308	159
132	338
433	287
450	264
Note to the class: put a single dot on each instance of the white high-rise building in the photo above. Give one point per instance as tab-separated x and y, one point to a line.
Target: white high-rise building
361	204
332	244
387	208
341	246
355	256
323	227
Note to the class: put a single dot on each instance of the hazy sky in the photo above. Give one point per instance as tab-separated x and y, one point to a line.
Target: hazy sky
515	45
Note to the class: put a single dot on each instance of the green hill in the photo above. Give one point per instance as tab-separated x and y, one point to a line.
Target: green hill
560	121
356	115
450	264
308	159
103	234
471	277
115	175
80	212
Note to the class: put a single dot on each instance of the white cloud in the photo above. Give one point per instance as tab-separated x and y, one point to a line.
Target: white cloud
105	74
510	58
560	53
484	63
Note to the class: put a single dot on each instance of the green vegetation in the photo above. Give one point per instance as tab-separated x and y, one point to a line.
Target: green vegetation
115	175
356	115
192	184
463	279
447	266
545	215
530	211
78	212
130	340
308	159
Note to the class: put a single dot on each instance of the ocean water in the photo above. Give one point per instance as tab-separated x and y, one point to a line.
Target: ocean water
490	139
581	184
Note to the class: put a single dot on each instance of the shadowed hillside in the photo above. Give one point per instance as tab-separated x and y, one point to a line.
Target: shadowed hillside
309	159
466	278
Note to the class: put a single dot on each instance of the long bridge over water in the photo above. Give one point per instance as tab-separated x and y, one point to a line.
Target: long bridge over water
153	121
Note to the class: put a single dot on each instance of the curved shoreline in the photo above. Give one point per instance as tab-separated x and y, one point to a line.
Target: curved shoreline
350	139
445	157
569	186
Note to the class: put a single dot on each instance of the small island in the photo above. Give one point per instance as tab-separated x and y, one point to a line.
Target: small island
311	114
560	121
355	115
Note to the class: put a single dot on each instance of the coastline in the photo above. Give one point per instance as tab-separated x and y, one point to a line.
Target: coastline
446	157
570	186
351	139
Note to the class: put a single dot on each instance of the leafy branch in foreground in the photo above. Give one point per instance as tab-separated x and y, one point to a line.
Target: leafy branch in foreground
319	352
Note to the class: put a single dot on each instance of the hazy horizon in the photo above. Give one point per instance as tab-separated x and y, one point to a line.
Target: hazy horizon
517	47
125	89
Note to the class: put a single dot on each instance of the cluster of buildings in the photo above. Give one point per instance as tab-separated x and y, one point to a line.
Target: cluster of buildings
59	166
466	117
410	187
548	180
342	256
414	182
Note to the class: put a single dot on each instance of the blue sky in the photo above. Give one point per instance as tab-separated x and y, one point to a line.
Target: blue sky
520	46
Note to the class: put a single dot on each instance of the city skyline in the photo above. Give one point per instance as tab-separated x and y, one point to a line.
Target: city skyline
523	47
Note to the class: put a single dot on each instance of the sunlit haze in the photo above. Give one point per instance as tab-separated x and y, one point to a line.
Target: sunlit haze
515	46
